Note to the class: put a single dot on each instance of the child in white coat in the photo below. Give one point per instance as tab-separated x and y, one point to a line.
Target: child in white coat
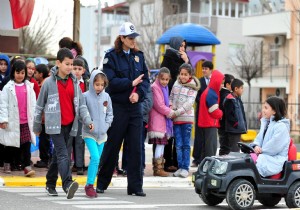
17	103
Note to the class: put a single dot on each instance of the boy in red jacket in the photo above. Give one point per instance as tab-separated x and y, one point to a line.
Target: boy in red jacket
210	114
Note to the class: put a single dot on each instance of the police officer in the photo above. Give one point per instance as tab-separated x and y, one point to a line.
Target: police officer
128	78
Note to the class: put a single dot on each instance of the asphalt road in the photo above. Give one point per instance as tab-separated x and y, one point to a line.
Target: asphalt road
113	198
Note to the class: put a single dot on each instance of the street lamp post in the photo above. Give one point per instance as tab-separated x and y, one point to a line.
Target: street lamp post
99	33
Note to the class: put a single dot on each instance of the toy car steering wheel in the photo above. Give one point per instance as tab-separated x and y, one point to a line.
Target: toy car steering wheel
245	148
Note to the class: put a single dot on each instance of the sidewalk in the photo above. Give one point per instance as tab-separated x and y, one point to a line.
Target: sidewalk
17	179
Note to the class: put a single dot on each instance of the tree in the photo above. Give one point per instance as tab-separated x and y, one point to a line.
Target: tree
41	35
150	32
249	61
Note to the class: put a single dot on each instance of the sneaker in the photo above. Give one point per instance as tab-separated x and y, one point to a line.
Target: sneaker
80	171
40	164
72	189
184	173
90	191
176	173
6	168
28	172
115	173
51	191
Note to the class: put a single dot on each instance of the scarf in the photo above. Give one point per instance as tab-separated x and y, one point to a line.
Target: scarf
169	123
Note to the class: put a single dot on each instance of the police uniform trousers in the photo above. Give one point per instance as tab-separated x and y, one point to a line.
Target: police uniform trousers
127	122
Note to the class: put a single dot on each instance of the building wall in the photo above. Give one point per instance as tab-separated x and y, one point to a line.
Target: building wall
9	44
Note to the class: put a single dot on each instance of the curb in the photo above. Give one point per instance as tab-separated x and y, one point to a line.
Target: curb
17	181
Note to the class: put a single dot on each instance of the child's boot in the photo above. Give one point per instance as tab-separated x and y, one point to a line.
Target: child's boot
158	169
28	172
90	191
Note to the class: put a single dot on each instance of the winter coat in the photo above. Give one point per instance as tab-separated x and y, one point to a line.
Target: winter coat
48	102
6	75
101	112
9	112
223	93
209	112
235	115
182	99
172	59
274	145
157	127
147	105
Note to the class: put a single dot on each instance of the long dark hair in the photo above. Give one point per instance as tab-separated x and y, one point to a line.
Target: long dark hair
18	66
278	105
118	45
70	44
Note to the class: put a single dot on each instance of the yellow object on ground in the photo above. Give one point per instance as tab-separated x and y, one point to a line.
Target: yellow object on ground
249	136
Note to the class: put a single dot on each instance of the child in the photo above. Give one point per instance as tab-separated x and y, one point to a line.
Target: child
100	108
77	143
272	142
209	115
223	136
4	69
17	105
40	75
31	69
160	124
182	98
62	102
235	120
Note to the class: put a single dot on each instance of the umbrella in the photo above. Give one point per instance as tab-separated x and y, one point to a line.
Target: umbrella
15	14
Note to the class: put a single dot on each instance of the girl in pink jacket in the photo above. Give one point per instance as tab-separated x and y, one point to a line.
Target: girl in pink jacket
160	126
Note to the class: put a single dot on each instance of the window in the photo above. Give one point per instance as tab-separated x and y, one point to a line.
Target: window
148	14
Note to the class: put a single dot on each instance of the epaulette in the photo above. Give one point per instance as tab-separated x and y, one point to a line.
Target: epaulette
109	50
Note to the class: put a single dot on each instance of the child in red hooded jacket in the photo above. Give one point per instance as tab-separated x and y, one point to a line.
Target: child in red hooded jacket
210	115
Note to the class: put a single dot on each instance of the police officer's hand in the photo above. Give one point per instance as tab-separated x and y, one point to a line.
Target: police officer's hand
134	97
137	81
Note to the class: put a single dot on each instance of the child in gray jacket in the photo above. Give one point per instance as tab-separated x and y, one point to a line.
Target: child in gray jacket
63	104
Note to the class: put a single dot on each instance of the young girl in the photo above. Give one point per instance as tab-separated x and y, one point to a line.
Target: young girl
100	108
16	118
182	98
272	142
160	123
30	72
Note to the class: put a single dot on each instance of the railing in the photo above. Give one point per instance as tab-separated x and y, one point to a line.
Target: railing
171	20
253	113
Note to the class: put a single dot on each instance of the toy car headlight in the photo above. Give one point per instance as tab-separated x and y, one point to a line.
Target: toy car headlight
219	167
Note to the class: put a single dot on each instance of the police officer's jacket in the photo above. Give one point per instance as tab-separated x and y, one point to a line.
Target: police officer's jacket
121	71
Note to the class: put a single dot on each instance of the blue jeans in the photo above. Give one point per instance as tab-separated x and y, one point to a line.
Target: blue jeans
95	150
182	135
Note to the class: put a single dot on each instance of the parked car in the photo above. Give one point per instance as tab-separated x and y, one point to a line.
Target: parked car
235	178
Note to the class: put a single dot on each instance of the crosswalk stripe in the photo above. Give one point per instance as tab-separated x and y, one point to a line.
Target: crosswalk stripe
75	198
115	206
90	202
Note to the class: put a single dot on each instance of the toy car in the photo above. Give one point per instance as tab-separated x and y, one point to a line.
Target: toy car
236	178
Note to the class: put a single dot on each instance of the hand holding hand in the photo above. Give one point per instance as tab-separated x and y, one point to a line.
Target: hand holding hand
138	80
3	125
91	126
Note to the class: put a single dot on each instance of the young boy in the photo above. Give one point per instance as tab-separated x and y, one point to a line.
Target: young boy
40	74
210	114
76	143
62	102
235	120
223	138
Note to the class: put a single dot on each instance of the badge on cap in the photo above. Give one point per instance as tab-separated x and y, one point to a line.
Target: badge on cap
105	60
137	59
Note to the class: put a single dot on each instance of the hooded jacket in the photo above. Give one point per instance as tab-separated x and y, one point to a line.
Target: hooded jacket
274	145
48	102
209	112
182	99
5	58
172	59
100	109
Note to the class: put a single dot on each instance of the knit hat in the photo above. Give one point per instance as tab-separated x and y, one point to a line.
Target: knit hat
128	29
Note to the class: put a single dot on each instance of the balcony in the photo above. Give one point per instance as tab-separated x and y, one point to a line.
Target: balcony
171	20
283	71
267	24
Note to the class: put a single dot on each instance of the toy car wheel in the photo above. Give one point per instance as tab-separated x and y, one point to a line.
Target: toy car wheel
269	200
211	200
240	194
292	198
